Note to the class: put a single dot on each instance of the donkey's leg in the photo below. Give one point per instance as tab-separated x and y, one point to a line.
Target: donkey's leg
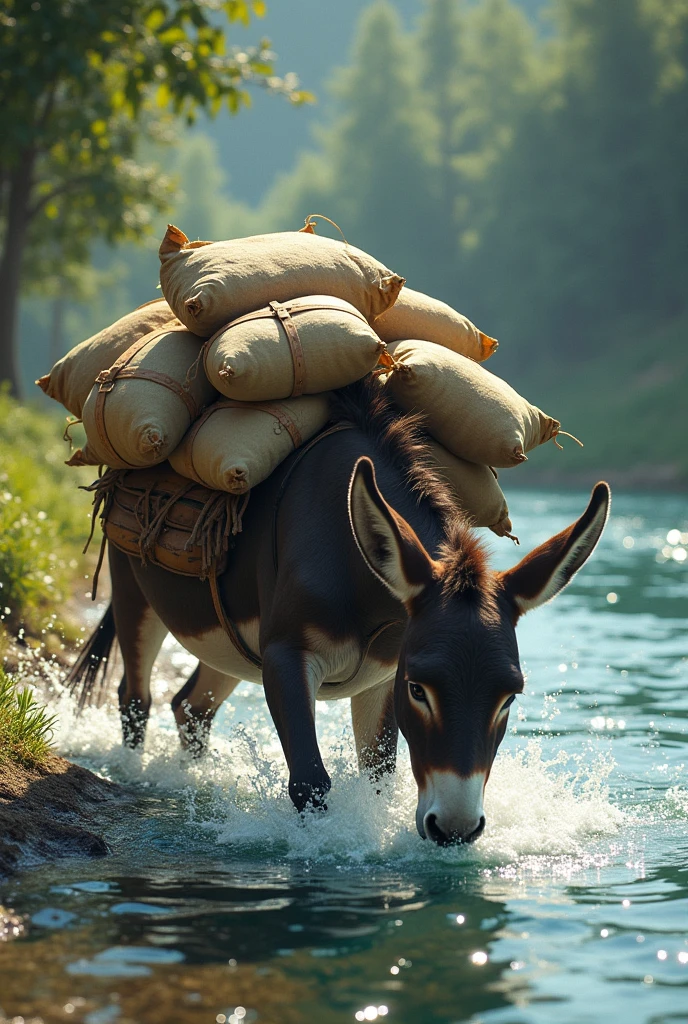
375	729
197	703
292	678
140	633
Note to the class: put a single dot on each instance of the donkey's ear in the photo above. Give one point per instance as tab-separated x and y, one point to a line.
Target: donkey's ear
388	544
545	571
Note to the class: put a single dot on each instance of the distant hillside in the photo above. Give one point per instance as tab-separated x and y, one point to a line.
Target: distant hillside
626	402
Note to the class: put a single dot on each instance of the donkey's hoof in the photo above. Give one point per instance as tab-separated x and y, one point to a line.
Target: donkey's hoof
309	796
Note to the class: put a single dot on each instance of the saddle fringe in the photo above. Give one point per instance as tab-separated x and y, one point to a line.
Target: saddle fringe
220	519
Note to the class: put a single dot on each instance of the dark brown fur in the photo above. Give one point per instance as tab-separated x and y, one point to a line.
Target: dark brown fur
367	534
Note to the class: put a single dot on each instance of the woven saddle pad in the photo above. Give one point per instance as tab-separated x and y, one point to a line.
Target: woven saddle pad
167	520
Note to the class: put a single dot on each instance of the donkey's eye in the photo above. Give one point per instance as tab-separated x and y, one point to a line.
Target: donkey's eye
418	693
508	702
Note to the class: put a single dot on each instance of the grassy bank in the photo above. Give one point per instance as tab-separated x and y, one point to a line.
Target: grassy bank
43	521
25	726
48	806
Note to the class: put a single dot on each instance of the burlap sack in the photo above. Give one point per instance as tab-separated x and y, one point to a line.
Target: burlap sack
71	378
139	410
469	410
415	315
305	346
209	284
476	490
234	446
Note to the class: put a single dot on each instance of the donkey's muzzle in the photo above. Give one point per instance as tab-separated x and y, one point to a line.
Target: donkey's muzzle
434	832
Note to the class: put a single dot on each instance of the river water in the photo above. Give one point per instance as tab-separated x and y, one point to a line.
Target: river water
220	904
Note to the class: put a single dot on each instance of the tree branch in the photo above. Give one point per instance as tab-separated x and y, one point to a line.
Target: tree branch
59	190
48	108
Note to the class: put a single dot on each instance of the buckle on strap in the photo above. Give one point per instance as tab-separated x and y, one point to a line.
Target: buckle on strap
104	381
280	310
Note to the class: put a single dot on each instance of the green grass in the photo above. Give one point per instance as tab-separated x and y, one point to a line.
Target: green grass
25	726
43	518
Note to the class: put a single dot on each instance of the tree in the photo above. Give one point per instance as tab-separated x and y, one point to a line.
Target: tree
576	223
672	181
383	150
82	85
440	50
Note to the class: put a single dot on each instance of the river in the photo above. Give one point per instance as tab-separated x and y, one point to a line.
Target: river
220	904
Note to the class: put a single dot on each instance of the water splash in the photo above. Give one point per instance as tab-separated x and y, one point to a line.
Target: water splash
536	805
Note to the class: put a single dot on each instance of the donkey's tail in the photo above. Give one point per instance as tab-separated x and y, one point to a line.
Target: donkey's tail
89	674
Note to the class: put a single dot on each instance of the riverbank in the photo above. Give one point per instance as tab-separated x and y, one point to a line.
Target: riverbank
48	806
49	811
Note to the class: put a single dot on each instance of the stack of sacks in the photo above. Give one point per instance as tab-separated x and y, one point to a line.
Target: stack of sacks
288	316
278	321
230	372
133	387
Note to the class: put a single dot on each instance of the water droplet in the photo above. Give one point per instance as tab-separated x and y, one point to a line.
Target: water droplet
612	598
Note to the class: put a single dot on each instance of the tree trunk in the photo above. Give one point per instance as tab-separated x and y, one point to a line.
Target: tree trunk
56	348
19	194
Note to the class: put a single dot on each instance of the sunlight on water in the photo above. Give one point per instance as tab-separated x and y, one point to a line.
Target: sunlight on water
537	804
572	905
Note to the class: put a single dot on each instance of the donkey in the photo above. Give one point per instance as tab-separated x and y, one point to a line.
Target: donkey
354	577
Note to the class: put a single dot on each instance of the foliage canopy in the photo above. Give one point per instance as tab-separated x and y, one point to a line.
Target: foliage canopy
82	86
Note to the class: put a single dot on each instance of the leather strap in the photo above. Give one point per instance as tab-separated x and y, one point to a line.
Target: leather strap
227	624
366	649
293	306
272	408
295	347
166	381
287	477
282	415
224	619
370	640
113	457
120	369
278	411
107	378
284	313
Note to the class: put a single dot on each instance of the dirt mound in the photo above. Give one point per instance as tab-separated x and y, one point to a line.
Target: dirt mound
48	812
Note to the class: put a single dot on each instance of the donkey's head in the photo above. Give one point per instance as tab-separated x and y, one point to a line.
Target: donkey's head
459	669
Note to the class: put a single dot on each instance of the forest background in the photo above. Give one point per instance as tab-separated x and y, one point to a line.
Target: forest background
525	162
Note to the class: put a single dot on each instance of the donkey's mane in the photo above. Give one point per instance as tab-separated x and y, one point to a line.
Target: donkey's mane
402	440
